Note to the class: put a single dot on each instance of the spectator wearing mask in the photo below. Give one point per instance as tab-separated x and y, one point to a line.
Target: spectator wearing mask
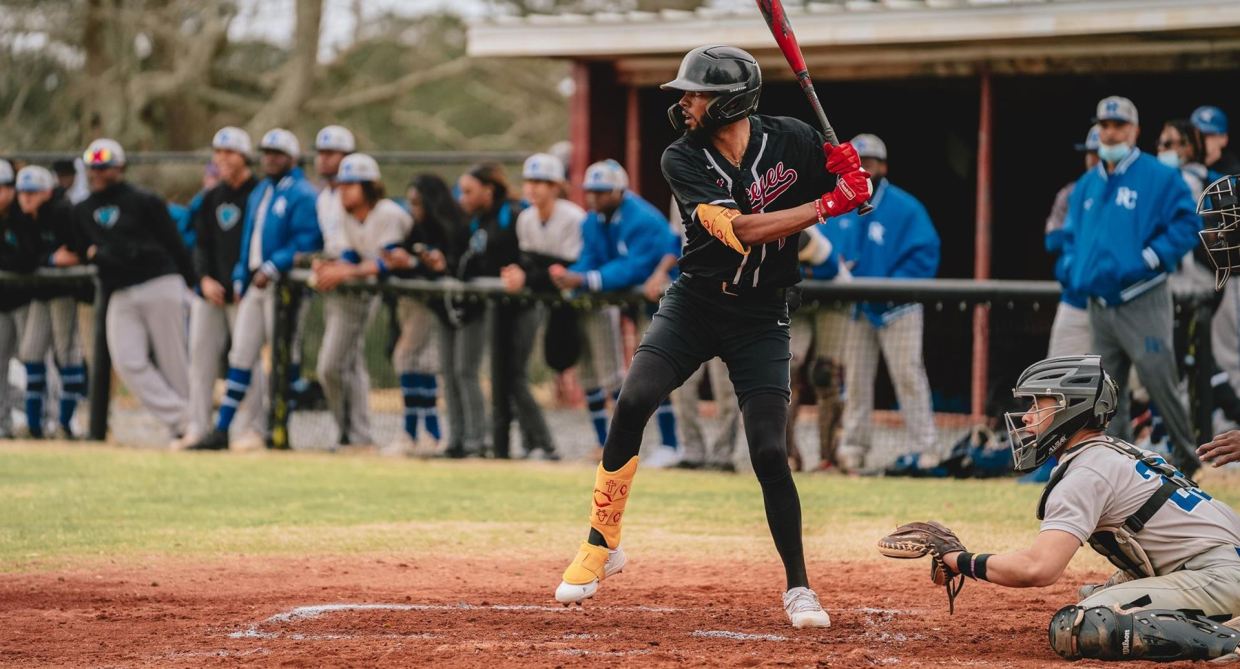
1130	221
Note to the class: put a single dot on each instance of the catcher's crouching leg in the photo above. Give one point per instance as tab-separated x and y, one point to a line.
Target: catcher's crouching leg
1164	635
595	563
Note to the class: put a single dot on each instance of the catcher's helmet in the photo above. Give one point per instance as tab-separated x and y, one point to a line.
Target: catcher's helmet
1087	399
1219	208
730	73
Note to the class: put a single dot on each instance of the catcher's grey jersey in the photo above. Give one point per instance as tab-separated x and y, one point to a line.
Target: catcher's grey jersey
1102	488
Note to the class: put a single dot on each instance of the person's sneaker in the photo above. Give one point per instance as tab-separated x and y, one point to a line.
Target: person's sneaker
184	441
663	458
216	440
248	442
401	447
850	459
592	564
803	609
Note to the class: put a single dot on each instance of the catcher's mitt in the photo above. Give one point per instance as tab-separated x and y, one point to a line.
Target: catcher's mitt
914	540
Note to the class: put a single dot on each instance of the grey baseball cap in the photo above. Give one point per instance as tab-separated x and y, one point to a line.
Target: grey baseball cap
1116	108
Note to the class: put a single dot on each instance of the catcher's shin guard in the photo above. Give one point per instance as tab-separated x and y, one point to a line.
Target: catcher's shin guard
611	495
1163	635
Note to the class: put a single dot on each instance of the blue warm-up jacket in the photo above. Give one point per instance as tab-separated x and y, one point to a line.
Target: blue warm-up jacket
622	252
290	227
896	241
1127	230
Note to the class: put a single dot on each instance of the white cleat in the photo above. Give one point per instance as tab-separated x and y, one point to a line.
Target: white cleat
576	593
803	609
663	458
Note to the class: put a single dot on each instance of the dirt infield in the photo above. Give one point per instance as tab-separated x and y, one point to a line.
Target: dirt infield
393	611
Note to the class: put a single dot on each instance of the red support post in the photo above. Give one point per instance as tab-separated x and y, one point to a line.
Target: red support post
633	140
579	128
981	247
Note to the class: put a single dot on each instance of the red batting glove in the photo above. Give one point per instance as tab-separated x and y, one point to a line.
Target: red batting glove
851	190
841	159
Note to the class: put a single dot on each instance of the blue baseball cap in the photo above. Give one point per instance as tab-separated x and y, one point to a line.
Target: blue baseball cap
1209	120
605	176
1093	139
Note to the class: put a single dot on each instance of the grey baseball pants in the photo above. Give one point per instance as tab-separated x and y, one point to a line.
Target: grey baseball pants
1140	333
146	333
460	356
209	333
722	449
341	366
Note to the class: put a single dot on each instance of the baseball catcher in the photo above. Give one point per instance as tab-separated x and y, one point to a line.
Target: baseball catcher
1176	549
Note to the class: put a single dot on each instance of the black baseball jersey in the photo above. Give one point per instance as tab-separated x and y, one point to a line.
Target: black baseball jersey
783	167
16	240
219	223
134	237
53	228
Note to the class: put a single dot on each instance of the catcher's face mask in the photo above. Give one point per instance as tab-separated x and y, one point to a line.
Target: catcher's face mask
1219	207
1027	429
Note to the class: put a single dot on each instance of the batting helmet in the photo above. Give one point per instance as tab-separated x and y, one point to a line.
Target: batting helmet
1087	398
730	73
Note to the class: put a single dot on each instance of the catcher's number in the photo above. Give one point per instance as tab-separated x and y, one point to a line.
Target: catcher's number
915	540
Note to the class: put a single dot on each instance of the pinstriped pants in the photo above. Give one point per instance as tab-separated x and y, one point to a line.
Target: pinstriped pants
9	396
52	325
341	366
601	364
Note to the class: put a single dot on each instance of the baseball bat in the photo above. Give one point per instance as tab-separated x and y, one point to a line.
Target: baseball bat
777	20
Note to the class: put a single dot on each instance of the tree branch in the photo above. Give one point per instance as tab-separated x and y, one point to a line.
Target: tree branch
389	91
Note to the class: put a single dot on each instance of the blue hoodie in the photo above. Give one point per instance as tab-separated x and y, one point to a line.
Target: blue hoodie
622	252
1127	230
291	225
896	241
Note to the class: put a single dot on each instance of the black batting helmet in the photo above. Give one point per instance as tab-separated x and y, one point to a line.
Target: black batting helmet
728	72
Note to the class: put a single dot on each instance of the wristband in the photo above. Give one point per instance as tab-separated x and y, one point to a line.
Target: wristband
818	211
972	565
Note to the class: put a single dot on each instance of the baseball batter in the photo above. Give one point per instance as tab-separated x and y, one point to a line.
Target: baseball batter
129	236
746	185
51	318
280	223
219	223
372	225
1177	549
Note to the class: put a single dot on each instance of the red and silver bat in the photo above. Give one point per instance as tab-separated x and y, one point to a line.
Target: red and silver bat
781	29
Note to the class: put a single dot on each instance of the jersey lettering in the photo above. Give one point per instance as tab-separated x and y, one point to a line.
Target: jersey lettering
1126	197
769	186
1185	498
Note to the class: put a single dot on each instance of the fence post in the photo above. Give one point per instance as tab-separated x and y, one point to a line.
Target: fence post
287	295
1200	369
101	373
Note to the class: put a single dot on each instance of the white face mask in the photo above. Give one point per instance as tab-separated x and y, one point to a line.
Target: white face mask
1170	158
1113	153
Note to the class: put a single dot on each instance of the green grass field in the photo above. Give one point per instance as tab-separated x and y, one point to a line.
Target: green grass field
66	505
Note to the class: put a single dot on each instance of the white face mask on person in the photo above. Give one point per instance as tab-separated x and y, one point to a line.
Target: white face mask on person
1113	153
1170	158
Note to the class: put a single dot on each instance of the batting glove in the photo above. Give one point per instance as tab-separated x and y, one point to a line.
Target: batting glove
841	159
852	189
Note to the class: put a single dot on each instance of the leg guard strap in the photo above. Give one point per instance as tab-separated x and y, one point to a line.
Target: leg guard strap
611	495
1163	635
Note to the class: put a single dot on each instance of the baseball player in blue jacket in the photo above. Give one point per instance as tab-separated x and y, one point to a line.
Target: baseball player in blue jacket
623	239
1130	221
280	223
897	241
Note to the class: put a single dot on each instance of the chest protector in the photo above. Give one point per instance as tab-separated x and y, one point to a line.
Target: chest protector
1120	544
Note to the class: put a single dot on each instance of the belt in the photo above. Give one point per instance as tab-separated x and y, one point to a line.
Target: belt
711	287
